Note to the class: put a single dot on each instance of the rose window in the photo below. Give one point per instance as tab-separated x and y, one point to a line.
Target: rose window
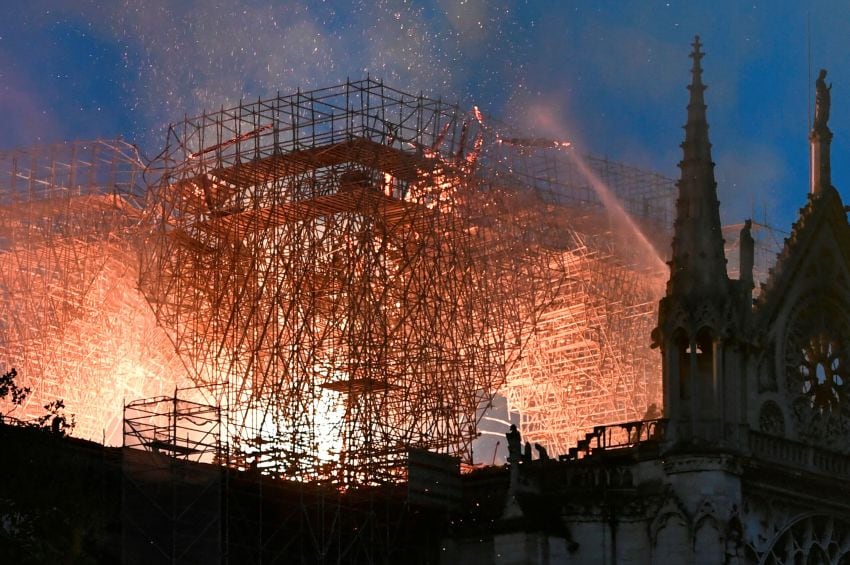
822	371
817	360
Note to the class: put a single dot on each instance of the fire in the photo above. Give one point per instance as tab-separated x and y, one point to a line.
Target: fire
340	291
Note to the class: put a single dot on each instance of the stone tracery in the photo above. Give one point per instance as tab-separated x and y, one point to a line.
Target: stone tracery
816	353
812	539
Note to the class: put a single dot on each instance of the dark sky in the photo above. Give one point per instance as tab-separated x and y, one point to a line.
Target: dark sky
608	75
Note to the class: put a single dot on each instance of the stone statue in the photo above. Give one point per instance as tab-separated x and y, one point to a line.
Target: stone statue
514	445
542	454
822	100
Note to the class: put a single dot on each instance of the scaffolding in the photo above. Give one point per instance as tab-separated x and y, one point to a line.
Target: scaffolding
349	273
587	362
334	258
73	324
172	480
347	278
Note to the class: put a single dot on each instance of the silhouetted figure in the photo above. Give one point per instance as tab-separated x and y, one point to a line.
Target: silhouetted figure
652	411
56	425
526	454
514	445
822	100
542	454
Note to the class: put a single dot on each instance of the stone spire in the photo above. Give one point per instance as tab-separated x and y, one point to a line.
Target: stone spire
702	320
820	137
698	264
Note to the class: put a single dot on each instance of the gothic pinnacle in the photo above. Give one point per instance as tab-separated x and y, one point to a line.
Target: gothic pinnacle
698	260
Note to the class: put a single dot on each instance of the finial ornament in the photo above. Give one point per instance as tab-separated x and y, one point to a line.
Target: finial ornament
697	55
696	45
822	101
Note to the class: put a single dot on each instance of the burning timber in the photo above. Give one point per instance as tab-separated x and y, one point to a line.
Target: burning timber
332	279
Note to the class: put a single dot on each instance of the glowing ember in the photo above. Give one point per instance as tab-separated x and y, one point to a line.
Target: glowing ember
340	289
75	326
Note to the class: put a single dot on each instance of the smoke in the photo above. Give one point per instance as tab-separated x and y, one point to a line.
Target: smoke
181	58
624	227
184	58
25	119
614	74
546	119
26	113
192	56
627	57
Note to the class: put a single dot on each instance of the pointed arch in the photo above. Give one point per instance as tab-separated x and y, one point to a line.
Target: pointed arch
812	538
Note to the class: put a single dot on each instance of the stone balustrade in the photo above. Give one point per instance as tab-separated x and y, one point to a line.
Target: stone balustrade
796	454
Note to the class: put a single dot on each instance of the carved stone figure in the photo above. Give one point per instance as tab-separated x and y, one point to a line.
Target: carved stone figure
542	454
514	445
822	100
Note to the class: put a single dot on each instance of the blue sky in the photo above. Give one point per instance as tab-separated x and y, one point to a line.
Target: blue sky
610	76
